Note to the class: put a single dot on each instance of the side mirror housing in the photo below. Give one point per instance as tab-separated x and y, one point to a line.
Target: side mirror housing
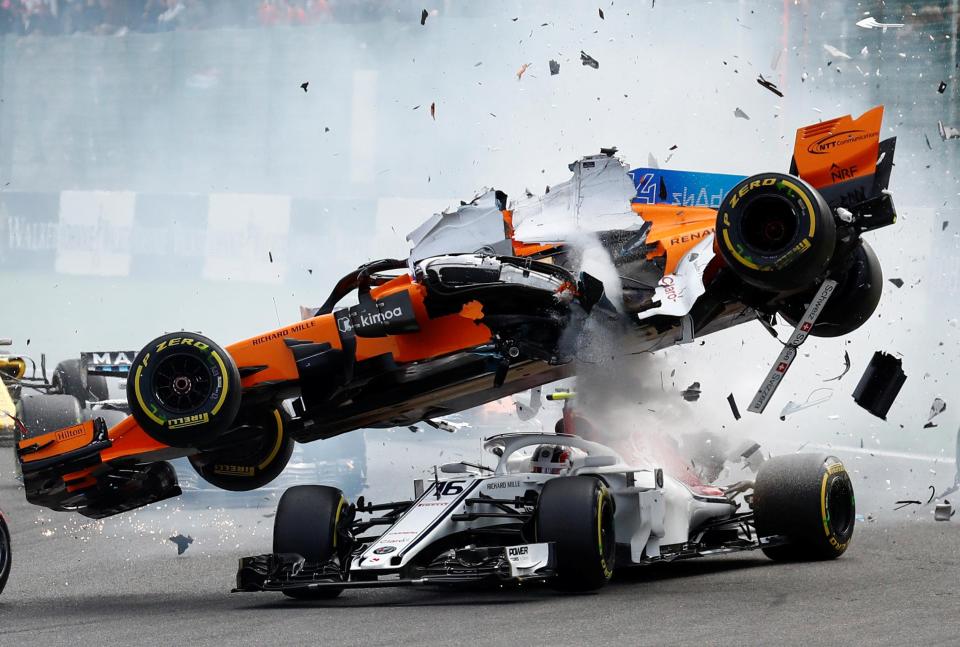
454	468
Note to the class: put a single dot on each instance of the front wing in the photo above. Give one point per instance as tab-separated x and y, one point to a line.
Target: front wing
492	565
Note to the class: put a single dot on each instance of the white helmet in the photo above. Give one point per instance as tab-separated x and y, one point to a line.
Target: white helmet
550	459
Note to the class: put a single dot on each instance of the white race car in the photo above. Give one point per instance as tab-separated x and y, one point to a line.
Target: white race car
556	508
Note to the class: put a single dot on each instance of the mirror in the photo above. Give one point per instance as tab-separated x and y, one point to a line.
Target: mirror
454	468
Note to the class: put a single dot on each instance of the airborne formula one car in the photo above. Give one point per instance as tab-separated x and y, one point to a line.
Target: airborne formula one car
492	301
555	508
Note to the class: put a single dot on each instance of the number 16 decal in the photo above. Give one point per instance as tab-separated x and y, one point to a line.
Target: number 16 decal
451	488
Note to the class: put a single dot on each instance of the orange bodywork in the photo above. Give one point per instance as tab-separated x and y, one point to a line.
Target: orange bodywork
438	336
838	150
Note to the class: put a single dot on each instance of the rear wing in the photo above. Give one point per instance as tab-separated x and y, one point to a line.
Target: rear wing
845	160
109	363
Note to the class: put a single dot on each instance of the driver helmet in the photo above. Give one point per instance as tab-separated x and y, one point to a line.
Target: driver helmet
550	459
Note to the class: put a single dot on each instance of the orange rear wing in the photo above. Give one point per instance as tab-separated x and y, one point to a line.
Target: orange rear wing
844	158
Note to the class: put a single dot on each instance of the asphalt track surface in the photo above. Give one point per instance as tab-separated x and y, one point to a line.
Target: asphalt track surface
120	581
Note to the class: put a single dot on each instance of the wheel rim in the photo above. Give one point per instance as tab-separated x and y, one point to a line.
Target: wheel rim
769	224
606	538
839	508
183	382
4	547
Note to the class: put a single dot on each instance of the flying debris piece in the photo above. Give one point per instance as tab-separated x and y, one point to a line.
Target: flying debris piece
947	132
304	85
943	227
748	452
942	87
415	429
740	114
446	425
871	23
691	393
433	110
789	353
733	406
836	53
522	70
905	503
769	85
897	282
880	384
674	147
423	17
270	254
792	407
554	67
943	511
588	60
528	411
936	408
846	368
182	543
933	490
601	14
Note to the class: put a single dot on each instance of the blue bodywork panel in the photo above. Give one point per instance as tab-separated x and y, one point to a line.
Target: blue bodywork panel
684	188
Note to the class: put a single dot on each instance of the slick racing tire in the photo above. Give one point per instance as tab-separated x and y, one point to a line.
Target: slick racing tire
807	499
6	558
183	390
854	300
776	232
254	460
576	514
43	413
307	525
70	378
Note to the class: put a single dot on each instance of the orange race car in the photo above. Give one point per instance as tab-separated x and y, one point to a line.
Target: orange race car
491	301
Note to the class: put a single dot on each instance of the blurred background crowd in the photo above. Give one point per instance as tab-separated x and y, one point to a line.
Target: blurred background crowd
116	17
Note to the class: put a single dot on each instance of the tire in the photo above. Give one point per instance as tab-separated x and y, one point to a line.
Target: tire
44	413
70	378
252	462
776	232
576	514
184	390
306	525
6	558
854	300
808	499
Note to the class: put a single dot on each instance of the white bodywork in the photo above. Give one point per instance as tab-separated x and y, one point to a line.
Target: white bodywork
596	199
648	515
